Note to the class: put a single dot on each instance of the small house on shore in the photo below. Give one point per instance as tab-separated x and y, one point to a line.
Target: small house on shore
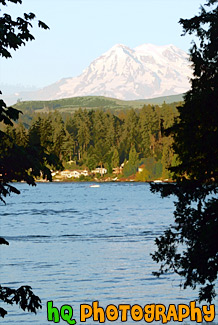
141	168
99	170
73	173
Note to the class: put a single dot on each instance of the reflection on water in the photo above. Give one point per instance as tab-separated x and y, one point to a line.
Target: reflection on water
75	244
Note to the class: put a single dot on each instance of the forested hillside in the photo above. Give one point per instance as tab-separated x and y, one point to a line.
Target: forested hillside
92	138
70	105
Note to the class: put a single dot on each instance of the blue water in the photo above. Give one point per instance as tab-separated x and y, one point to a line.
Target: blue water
74	244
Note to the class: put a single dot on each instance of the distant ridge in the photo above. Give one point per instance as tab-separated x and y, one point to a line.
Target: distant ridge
160	100
70	105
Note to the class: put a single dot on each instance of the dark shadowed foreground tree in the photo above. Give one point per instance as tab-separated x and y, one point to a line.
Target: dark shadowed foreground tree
190	246
18	162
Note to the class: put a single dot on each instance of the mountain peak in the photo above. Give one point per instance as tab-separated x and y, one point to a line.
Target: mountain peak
146	71
119	49
117	46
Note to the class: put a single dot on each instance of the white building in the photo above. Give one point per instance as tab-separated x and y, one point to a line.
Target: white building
99	170
74	173
85	172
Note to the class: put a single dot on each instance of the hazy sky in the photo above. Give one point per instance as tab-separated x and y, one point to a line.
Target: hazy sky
81	30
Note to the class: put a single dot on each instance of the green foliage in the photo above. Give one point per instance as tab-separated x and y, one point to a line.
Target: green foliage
101	152
19	160
115	160
189	247
133	156
70	105
83	130
152	169
168	157
150	126
143	176
98	138
131	166
157	171
14	33
23	159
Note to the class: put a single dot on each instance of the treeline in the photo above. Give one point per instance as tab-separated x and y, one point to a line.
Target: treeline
93	138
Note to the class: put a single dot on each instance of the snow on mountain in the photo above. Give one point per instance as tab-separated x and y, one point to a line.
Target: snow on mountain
143	72
146	71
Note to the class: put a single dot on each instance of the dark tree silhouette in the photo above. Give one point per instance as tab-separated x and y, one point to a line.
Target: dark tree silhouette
190	246
18	162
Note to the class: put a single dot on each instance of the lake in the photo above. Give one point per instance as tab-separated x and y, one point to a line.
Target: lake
75	244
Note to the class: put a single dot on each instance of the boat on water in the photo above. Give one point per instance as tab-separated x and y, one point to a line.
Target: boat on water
94	185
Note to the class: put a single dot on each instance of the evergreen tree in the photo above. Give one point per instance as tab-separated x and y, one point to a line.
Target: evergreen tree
112	131
59	136
190	247
68	147
130	167
149	127
130	133
21	135
101	152
72	130
115	160
167	156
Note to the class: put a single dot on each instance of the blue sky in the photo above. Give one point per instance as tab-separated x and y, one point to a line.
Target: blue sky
81	30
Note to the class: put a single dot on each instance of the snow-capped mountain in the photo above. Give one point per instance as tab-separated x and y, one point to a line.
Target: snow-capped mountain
146	71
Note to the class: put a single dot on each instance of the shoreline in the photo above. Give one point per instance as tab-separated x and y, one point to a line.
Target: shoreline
103	181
